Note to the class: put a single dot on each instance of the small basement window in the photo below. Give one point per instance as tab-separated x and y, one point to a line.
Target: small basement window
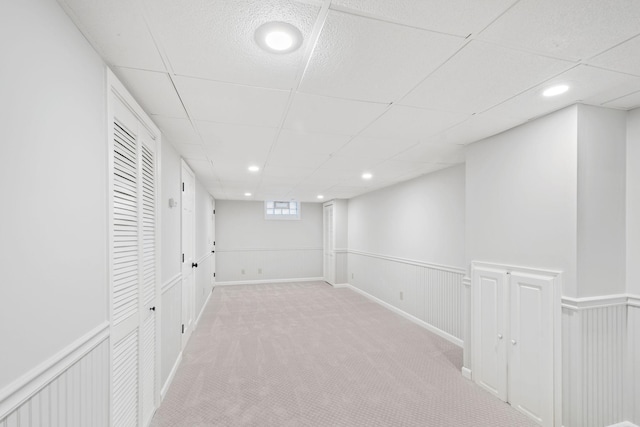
274	209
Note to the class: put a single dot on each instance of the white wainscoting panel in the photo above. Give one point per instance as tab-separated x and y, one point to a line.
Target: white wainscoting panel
431	293
171	334
633	361
594	346
71	391
241	265
342	271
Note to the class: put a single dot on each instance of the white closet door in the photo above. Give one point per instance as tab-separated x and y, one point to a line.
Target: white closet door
125	257
531	346
188	251
329	244
489	295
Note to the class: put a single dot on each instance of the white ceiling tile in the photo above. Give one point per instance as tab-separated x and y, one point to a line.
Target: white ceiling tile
460	17
310	113
178	131
296	159
214	39
371	60
366	146
624	57
588	85
118	31
153	90
575	29
429	152
316	143
627	102
409	123
480	76
355	165
191	151
477	127
232	103
237	138
293	172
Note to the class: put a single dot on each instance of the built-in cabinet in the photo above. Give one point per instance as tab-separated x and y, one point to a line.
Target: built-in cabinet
515	337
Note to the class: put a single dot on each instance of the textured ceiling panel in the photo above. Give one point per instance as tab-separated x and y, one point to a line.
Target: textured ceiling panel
178	131
627	102
459	17
482	75
191	151
375	147
412	123
118	31
577	29
286	158
214	39
316	143
154	91
426	152
370	60
625	57
478	127
586	83
226	142
231	103
309	113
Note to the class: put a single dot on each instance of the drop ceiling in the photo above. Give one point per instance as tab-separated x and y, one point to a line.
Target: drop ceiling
397	88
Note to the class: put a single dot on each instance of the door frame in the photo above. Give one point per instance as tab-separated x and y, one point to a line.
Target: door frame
325	250
186	332
556	309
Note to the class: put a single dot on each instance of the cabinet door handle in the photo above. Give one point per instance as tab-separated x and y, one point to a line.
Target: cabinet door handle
513	342
499	336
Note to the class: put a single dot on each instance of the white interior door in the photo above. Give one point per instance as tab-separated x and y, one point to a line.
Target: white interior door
531	358
490	334
212	239
188	251
329	270
133	259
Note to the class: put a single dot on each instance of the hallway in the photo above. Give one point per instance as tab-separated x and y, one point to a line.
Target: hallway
307	354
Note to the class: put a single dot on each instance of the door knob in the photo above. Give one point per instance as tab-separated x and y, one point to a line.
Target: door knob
194	264
499	336
152	308
513	342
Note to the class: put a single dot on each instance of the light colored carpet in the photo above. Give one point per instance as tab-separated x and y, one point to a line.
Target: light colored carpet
306	354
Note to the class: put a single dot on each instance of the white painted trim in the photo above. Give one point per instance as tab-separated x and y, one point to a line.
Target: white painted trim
203	257
466	281
577	304
28	385
340	285
341	251
410	261
268	249
270	281
172	374
419	322
518	268
466	372
623	424
171	283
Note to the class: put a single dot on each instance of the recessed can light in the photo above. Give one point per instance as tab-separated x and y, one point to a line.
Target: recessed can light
253	168
278	37
555	90
320	196
367	175
247	194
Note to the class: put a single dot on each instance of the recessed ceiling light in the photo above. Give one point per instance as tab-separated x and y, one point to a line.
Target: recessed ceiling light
555	90
253	168
278	37
320	196
247	194
367	175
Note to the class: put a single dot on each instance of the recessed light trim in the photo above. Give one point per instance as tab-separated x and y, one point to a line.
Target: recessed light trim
247	194
555	90
320	196
253	168
367	175
278	37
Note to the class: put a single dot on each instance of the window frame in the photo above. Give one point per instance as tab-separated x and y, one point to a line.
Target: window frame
282	217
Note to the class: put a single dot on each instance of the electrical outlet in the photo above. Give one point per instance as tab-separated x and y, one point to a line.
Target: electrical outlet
259	271
243	271
401	295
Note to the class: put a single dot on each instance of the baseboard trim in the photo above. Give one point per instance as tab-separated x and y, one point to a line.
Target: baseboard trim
269	281
419	322
466	372
341	285
623	424
27	386
171	283
169	380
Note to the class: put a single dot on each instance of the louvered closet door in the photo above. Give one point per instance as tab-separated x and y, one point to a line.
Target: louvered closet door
133	255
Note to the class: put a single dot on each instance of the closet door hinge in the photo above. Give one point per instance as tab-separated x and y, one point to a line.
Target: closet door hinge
182	257
183	186
214	274
183	328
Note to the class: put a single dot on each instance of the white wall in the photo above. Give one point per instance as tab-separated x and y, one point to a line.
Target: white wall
281	249
521	197
633	202
601	201
422	219
53	178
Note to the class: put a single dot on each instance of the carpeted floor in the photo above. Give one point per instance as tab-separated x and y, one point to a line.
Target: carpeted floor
306	354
